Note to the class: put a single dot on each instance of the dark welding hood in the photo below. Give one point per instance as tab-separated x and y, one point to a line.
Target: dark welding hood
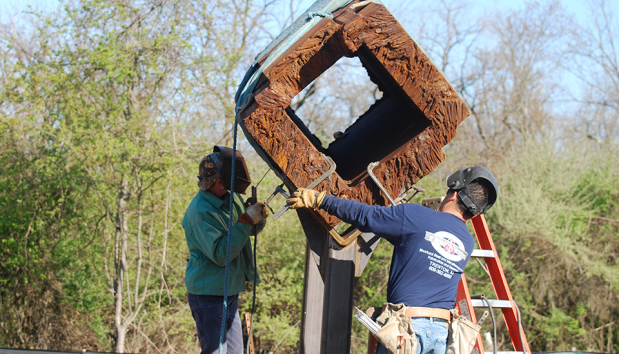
218	164
241	174
459	181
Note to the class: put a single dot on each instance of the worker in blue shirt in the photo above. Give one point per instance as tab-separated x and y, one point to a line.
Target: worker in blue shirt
430	250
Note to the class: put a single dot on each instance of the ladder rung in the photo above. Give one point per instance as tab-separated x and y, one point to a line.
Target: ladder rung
503	304
482	254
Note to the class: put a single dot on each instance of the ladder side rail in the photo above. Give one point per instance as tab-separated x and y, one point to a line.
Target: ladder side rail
463	298
499	283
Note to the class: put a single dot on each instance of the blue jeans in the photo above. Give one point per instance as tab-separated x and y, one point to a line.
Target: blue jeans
431	336
207	311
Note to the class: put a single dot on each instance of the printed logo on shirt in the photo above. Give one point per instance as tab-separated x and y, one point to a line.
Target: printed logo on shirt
447	245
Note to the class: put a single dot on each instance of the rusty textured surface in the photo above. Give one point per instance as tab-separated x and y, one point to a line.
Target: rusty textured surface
423	101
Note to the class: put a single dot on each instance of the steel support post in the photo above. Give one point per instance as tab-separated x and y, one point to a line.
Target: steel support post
339	279
311	321
327	292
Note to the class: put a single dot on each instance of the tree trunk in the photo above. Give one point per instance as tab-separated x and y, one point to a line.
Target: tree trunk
120	264
121	333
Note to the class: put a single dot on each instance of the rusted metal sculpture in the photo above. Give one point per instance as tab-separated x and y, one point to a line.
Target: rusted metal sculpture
395	143
404	131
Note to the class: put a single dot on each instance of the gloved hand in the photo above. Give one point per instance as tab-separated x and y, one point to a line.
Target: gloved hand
257	212
306	198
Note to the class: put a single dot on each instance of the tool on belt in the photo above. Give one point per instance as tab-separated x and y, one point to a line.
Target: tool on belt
393	327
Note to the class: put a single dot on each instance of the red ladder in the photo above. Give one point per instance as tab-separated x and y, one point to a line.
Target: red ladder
505	302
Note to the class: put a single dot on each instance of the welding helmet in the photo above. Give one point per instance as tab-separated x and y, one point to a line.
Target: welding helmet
459	181
218	164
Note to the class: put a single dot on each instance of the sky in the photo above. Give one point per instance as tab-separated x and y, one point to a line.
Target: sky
579	8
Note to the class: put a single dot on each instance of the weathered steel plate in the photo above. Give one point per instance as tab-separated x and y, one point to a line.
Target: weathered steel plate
405	130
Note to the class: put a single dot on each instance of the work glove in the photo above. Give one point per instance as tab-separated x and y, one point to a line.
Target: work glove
306	198
257	212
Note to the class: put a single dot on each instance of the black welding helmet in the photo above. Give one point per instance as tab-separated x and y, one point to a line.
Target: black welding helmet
218	164
460	179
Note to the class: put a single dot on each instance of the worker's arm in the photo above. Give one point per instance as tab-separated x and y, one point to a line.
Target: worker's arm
211	238
385	221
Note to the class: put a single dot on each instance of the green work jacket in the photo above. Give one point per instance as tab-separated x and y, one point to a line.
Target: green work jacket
206	230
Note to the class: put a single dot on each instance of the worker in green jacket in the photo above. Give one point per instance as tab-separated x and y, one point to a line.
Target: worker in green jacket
206	229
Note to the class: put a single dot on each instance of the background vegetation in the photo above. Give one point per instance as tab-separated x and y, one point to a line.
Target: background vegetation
107	106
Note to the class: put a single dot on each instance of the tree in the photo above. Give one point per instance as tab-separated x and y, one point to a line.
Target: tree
106	108
596	65
116	86
46	209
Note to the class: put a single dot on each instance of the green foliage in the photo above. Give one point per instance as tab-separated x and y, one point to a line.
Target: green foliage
102	122
42	229
559	325
90	161
554	226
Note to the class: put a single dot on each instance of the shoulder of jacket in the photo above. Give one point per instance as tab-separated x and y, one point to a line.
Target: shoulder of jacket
204	205
238	198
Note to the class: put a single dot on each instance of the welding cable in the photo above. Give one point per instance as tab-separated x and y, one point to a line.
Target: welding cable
524	351
228	239
483	297
253	303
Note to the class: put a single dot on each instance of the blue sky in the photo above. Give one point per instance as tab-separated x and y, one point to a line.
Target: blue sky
580	8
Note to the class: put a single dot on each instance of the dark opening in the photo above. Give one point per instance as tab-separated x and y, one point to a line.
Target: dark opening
381	131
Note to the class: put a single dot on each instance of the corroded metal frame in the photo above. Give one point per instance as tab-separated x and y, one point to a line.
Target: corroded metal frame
416	96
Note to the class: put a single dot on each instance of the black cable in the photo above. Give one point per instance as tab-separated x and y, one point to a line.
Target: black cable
253	305
524	351
483	297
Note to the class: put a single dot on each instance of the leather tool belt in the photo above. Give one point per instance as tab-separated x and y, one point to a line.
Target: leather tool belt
428	312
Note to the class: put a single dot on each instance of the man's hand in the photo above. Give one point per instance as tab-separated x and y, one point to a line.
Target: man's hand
257	212
306	198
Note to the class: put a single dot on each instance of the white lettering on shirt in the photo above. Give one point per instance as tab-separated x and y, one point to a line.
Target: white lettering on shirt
440	265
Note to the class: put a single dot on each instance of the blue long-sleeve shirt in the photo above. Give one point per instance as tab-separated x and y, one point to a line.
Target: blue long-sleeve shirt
430	250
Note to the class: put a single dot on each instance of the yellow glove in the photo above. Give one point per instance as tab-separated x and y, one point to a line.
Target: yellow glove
306	198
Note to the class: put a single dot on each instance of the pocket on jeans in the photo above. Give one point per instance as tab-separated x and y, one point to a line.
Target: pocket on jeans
440	334
440	346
